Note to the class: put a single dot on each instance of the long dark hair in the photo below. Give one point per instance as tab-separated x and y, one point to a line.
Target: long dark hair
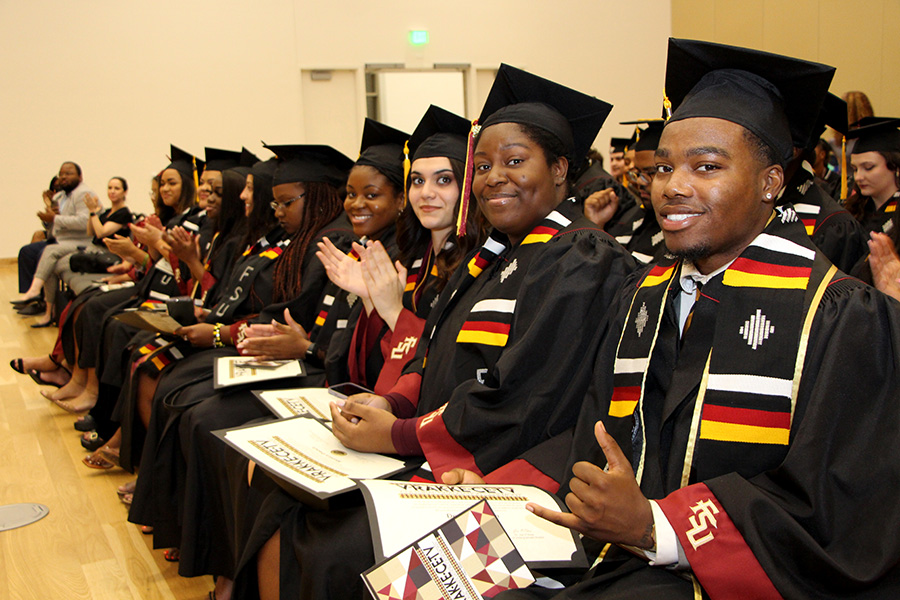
413	238
322	205
856	203
231	220
262	218
185	201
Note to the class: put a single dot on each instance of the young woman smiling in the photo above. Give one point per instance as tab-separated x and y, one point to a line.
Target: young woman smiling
505	341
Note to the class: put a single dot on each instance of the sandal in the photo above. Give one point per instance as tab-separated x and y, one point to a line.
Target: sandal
126	499
97	462
128	488
172	555
91	440
17	365
110	455
36	377
85	423
147	529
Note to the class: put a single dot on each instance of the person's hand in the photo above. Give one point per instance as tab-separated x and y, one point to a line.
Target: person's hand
342	270
120	268
461	476
600	206
92	202
121	246
885	264
111	279
200	335
372	400
148	234
288	340
185	245
606	505
362	427
47	196
47	215
200	313
153	221
384	281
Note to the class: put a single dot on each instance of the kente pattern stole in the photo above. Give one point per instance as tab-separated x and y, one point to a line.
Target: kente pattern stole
767	299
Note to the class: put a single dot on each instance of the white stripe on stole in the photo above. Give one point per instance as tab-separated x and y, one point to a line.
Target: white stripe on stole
328	300
341	324
807	209
494	246
778	244
158	295
644	258
559	219
623	239
751	384
631	365
416	263
176	353
495	305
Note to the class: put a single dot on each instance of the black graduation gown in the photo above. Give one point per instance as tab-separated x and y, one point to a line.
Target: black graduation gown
170	468
800	516
832	229
639	231
594	179
489	402
880	219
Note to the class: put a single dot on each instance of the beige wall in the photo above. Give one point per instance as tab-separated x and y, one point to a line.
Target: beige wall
110	84
860	38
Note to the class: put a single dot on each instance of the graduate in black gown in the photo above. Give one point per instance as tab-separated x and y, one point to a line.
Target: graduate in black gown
753	388
875	160
531	299
307	206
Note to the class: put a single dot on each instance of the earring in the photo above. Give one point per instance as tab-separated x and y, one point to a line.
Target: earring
769	196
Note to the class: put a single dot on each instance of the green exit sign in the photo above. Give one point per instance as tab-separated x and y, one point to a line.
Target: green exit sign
418	37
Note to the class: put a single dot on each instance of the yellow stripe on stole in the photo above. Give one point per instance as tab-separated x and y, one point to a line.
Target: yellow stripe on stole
474	270
269	254
482	337
809	229
536	238
749	434
320	320
410	286
890	208
651	280
622	408
159	364
756	280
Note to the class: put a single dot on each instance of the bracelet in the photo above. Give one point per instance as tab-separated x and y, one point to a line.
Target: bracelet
217	336
145	261
311	350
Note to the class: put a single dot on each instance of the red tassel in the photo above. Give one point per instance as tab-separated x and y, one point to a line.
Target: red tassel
462	217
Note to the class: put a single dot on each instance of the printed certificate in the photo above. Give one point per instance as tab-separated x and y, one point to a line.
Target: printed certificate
304	453
240	370
295	402
402	511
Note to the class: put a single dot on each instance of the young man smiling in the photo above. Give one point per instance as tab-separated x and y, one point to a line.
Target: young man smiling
743	401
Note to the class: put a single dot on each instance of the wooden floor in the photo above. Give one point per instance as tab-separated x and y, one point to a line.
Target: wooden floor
84	548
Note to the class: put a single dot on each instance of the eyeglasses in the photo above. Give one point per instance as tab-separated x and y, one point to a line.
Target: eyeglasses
285	204
638	177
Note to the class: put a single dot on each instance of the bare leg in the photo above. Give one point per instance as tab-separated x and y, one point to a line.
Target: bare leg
39	363
37	284
146	389
76	384
268	568
48	315
84	401
224	587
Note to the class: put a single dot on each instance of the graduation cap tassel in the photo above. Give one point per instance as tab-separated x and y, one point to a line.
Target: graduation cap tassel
467	181
196	175
843	168
406	168
667	106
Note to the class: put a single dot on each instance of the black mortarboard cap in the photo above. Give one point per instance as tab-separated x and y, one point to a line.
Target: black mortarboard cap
775	97
440	133
246	162
221	160
618	144
876	134
301	163
647	138
263	172
184	162
382	148
572	117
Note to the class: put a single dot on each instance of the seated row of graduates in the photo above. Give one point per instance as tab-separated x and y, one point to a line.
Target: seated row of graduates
509	333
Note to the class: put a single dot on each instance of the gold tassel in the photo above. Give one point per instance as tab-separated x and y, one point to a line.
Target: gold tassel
667	105
406	167
466	190
196	177
843	168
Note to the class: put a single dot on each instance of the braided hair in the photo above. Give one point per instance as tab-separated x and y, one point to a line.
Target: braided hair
322	205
